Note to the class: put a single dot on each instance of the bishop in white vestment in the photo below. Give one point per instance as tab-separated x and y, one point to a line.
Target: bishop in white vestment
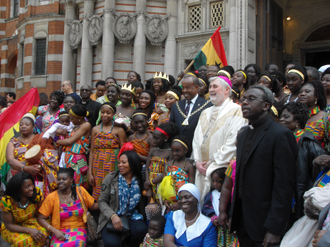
215	134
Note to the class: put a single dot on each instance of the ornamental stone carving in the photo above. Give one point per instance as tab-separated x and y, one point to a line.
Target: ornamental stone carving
95	29
156	29
190	50
125	27
75	34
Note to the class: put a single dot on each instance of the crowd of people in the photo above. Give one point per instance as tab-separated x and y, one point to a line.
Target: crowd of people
218	158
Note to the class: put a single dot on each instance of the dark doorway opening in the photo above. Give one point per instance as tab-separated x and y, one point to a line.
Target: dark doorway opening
317	59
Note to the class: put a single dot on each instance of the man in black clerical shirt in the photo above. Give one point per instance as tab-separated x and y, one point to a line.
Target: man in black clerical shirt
92	106
265	174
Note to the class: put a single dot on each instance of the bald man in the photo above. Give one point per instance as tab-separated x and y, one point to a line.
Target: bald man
67	89
92	106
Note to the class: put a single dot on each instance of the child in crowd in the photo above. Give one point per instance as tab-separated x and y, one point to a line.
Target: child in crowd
141	140
178	172
158	157
211	201
235	94
65	124
154	237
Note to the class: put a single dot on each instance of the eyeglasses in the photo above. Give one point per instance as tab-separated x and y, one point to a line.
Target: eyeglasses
84	90
250	99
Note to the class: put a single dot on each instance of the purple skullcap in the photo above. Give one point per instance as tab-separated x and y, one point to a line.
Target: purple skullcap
227	80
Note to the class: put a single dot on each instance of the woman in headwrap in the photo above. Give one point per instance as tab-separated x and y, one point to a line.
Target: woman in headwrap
45	171
188	226
76	144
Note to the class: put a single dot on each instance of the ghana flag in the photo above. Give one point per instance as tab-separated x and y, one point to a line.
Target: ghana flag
9	123
213	52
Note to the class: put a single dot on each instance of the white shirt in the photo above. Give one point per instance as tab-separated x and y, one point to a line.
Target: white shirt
191	104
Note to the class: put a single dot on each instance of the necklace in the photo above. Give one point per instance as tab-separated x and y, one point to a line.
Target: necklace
191	221
64	198
185	122
24	206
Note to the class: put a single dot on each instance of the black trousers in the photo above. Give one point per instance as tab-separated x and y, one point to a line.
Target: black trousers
138	231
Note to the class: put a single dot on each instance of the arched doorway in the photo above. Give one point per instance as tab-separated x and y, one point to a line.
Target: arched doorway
314	47
11	70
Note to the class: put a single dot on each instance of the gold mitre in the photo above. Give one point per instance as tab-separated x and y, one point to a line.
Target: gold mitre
128	87
161	76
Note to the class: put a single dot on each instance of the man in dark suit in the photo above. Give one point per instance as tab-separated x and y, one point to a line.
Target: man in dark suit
185	113
92	106
265	174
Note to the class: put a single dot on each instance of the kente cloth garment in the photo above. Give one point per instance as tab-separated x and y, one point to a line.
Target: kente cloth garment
22	217
47	118
106	149
75	157
327	109
317	127
141	147
152	242
231	173
162	121
51	207
154	118
78	236
48	162
156	167
215	138
298	134
225	239
179	178
323	178
129	197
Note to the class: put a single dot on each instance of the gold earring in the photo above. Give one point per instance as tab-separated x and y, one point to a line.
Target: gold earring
297	126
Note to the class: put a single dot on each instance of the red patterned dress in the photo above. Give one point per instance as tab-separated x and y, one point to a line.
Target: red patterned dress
106	149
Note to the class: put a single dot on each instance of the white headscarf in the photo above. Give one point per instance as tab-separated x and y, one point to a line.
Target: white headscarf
192	189
30	115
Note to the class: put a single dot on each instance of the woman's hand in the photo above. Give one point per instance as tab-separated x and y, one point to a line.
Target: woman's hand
159	111
117	224
61	132
167	204
90	178
37	235
60	235
33	170
175	207
147	184
223	219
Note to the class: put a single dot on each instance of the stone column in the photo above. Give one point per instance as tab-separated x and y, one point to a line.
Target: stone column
68	63
108	40
86	67
170	66
140	40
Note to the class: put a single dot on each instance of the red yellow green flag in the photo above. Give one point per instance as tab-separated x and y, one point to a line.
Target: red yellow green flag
213	52
9	122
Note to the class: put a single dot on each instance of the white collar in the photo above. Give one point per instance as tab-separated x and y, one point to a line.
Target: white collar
193	231
193	100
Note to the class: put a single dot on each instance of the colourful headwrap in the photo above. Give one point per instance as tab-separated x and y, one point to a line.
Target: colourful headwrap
192	189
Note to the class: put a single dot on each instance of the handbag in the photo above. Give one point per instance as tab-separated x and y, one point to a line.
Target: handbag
124	221
92	225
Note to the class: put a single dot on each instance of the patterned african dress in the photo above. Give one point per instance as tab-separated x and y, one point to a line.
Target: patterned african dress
156	167
78	236
106	149
317	127
152	242
141	147
179	178
22	217
75	157
48	162
47	118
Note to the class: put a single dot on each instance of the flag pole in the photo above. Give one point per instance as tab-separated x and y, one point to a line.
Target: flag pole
188	67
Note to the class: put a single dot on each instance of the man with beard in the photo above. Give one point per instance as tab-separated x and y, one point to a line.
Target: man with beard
92	106
185	113
215	133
